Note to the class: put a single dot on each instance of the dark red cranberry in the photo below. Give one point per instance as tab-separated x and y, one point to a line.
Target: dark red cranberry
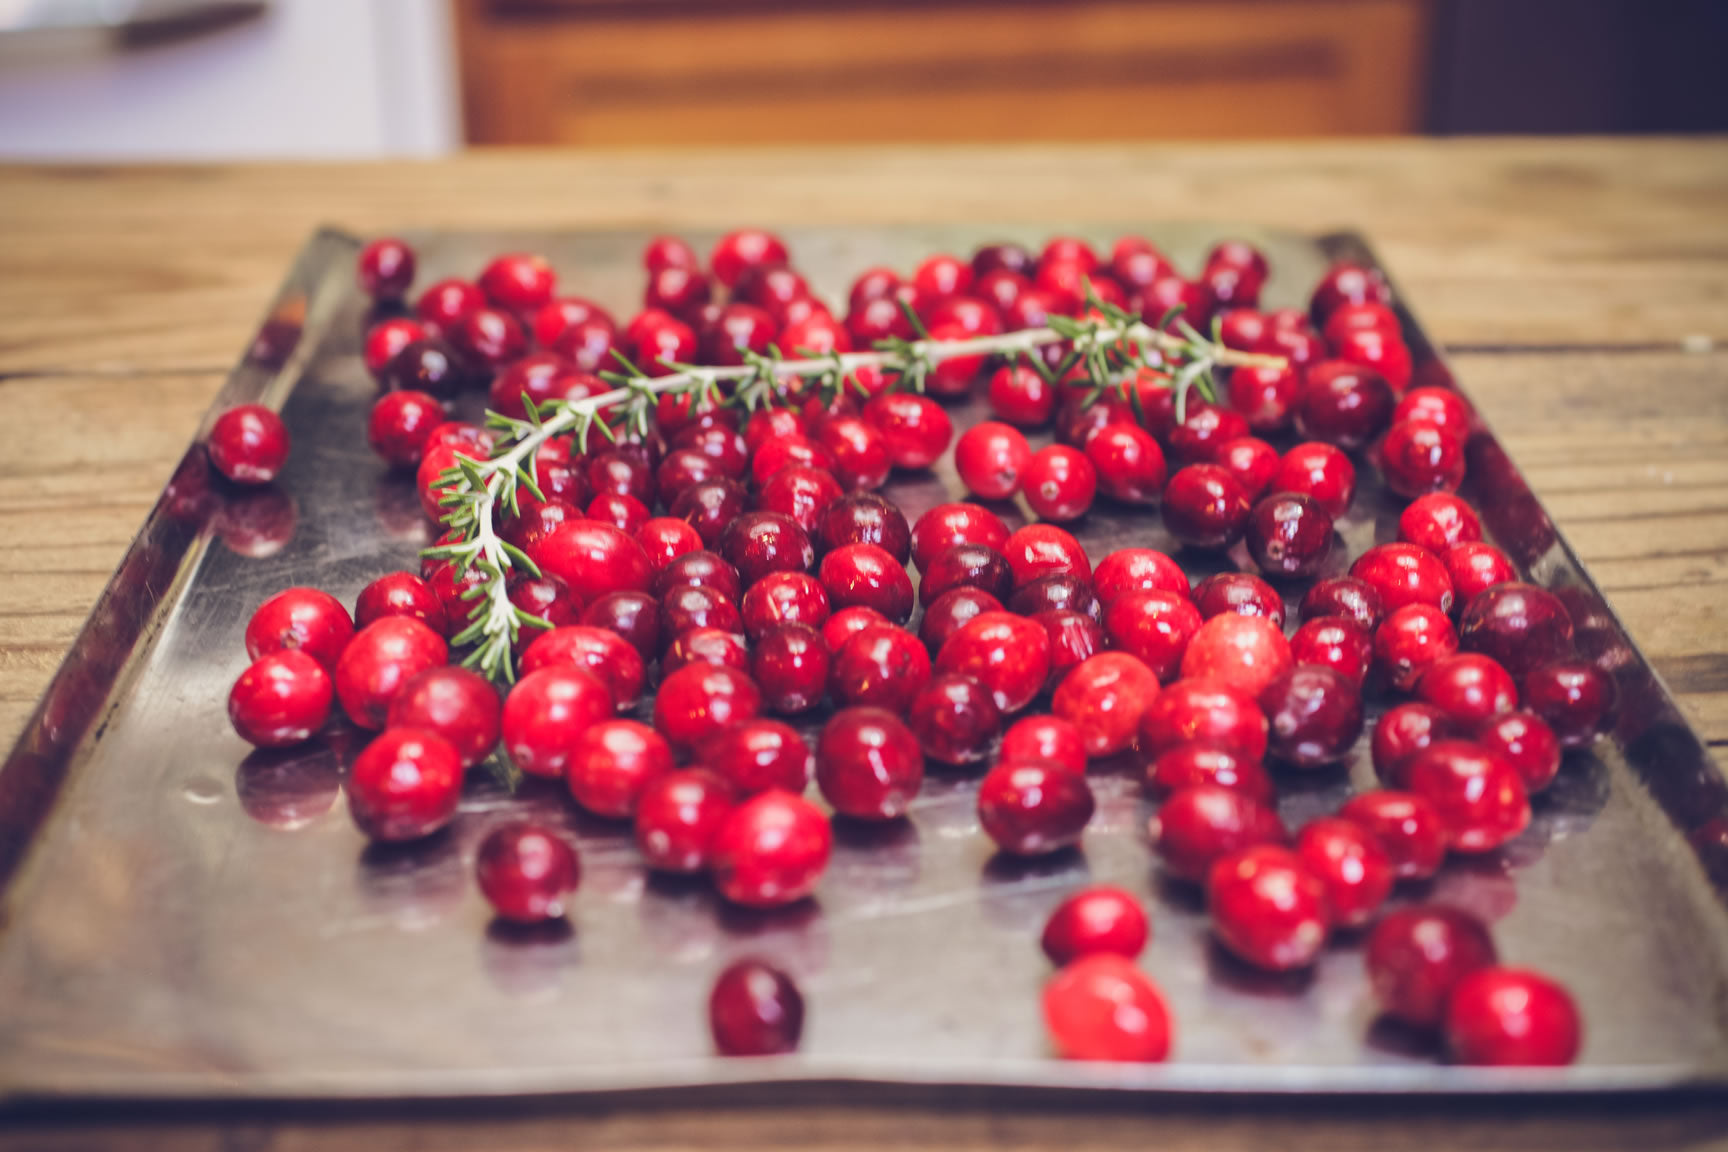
868	764
635	616
947	525
387	338
784	597
1352	865
1348	283
490	338
537	379
1204	507
527	872
1185	766
457	704
1518	625
738	331
1267	908
802	493
1337	643
442	306
1343	596
1203	430
1417	457
1137	569
1040	550
1058	592
865	518
1383	352
305	618
847	623
1407	827
401	594
1526	741
757	543
1404	730
1104	697
1476	567
1511	1017
706	646
1318	471
1479	795
1416	956
872	284
791	663
711	507
405	785
1247	651
1009	655
281	700
1033	808
1010	257
1576	698
758	755
1315	715
966	566
1344	404
1097	921
587	343
686	607
1290	535
1437	521
1412	640
1251	460
593	559
868	576
386	269
1405	574
248	444
1265	397
772	850
1172	297
625	513
755	1010
1074	638
1440	406
600	651
1238	592
1204	823
882	666
615	471
954	719
678	816
683	469
545	597
992	459
745	249
950	611
700	570
1468	687
680	291
399	424
379	661
699	701
876	319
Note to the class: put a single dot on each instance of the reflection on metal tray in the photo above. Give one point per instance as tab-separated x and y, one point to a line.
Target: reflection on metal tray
184	918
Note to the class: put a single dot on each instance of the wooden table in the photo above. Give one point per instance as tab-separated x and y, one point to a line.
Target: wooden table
1582	287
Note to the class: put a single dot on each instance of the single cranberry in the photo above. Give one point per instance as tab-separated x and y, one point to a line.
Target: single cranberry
554	319
699	701
1040	550
1343	596
950	611
868	576
1372	316
1267	908
1519	625
1101	1007
1265	397
873	284
457	704
527	872
801	493
537	379
1021	396
612	762
706	646
606	655
1009	655
385	270
858	451
546	712
865	518
1348	283
678	815
1344	404
947	525
1405	574
518	281
700	570
878	319
1128	462
1290	535
1417	457
1204	430
399	424
1476	567
1437	521
249	444
868	764
1335	642
1315	715
1074	639
679	290
1205	507
1097	921
1184	766
1512	1017
1404	730
385	339
281	700
1479	794
1058	593
1251	460
1170	297
1105	697
784	597
1010	257
405	785
1204	823
791	663
1417	956
490	338
914	429
757	755
1137	569
401	594
1322	473
1238	592
771	850
635	616
743	250
662	342
882	666
593	559
848	622
546	598
684	607
1208	711
755	1010
1301	347
379	661
616	471
967	566
1468	687
1408	827
1033	808
587	343
757	543
710	507
1412	640
1247	651
992	459
305	618
682	470
954	719
443	306
1049	739
664	540
1526	742
1576	698
1441	406
668	252
1352	865
1060	483
1381	352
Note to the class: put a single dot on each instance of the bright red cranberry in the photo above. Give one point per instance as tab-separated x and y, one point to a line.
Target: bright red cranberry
660	340
457	704
1344	404
520	282
1352	865
1479	795
1247	651
1344	596
1204	823
865	518
954	719
992	459
1476	567
1518	625
873	284
681	291
699	701
1169	293
546	711
305	618
700	570
1404	730
603	653
1320	472
546	598
1206	428
814	335
281	700
1060	483
443	306
379	661
1238	592
1437	521
1049	739
1300	345
669	252
1098	921
1408	827
1416	956
684	608
678	815
593	559
1137	569
1290	535
1101	1007
1417	457
1033	808
758	755
737	330
791	663
1315	715
1185	766
785	597
771	850
1526	742
1267	908
1074	639
706	646
664	540
399	424
611	763
527	872
1208	711
1204	507
400	594
755	1010
1348	283
1381	352
865	575
967	566
587	343
1373	316
404	785
1251	460
490	338
1440	406
537	379
385	339
1468	687
1576	698
947	525
1128	462
950	611
635	616
1334	642
1405	574
868	764
249	444
1009	655
878	319
914	429
1040	550
385	270
1512	1017
740	251
1412	640
1264	397
757	543
848	622
1135	263
1105	697
617	471
882	666
801	493
1022	397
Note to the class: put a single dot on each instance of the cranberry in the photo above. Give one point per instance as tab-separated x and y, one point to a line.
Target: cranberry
1526	742
1105	697
755	1010
992	459
757	543
1343	596
1417	457
1405	574
1372	316
1170	297
771	850
1315	715
1337	643
865	518
1205	507
710	507
1511	1017
545	598
399	424
1416	956
706	646
1575	698
1238	592
949	612
966	566
1479	795
1382	352
608	656
281	700
668	252
386	339
682	470
858	450
1209	711
665	540
699	701
947	525
587	343
1060	483
1128	462
878	319
1101	1007
611	763
1251	460
1033	808
1518	625
401	594
757	755
635	616
784	597
745	249
385	270
1246	651
915	429
1264	397
1079	418
1344	404
1290	535
593	559
848	622
1007	654
801	493
1137	569
1301	347
248	444
679	290
490	338
678	815
404	785
1010	257
1074	639
626	475
526	872
1404	730
1099	921
457	704
1049	739
1021	396
1318	471
700	570
1267	908
1204	430
536	380
1406	826
865	575
1352	865
1440	406
519	282
1204	823
555	318
1437	521
954	719
882	666
660	341
1475	567
1469	688
873	284
546	711
379	661
1040	550
1412	640
868	764
1348	283
791	663
1184	766
443	306
305	618
1058	593
684	608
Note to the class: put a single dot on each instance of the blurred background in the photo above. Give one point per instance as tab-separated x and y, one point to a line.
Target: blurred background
173	79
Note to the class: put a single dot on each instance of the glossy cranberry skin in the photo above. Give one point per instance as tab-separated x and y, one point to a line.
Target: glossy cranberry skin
1505	1017
554	320
1321	472
1251	460
1204	507
791	663
1468	687
1020	396
954	719
1352	865
771	850
305	618
1346	405
536	379
1206	711
863	575
1060	483
457	704
1337	643
546	712
616	471
967	566
612	763
1412	640
593	559
882	666
1040	550
1264	397
743	250
518	281
1201	824
1267	908
1437	521
1440	406
801	493
442	306
710	507
1343	596
1205	429
699	701
757	543
1048	739
1314	713
1576	698
1479	795
914	429
706	646
1101	1007
1417	457
385	269
700	570
399	424
757	755
1033	808
669	252
1416	956
379	661
755	1010
1526	741
527	872
1097	921
1408	827
248	444
401	594
949	612
1137	569
782	598
868	764
385	339
1404	730
684	608
281	700
1059	593
603	653
1405	574
1385	353
405	785
1518	625
1074	639
544	597
858	450
1105	697
1476	567
848	622
490	338
635	616
1128	463
679	290
664	540
1239	592
678	815
1247	651
1290	535
947	525
1185	766
992	459
865	518
1007	654
1347	283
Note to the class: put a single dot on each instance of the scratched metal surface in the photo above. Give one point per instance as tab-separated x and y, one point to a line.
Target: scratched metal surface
188	920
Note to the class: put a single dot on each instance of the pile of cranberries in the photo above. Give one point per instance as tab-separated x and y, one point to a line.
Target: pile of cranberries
715	582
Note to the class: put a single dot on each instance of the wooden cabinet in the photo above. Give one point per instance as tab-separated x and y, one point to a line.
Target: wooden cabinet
662	72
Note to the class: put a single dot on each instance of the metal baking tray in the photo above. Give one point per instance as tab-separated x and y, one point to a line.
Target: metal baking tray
185	919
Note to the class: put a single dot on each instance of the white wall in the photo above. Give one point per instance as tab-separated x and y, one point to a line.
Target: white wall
306	78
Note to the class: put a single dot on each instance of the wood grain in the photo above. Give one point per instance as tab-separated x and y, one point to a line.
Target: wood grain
1564	275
